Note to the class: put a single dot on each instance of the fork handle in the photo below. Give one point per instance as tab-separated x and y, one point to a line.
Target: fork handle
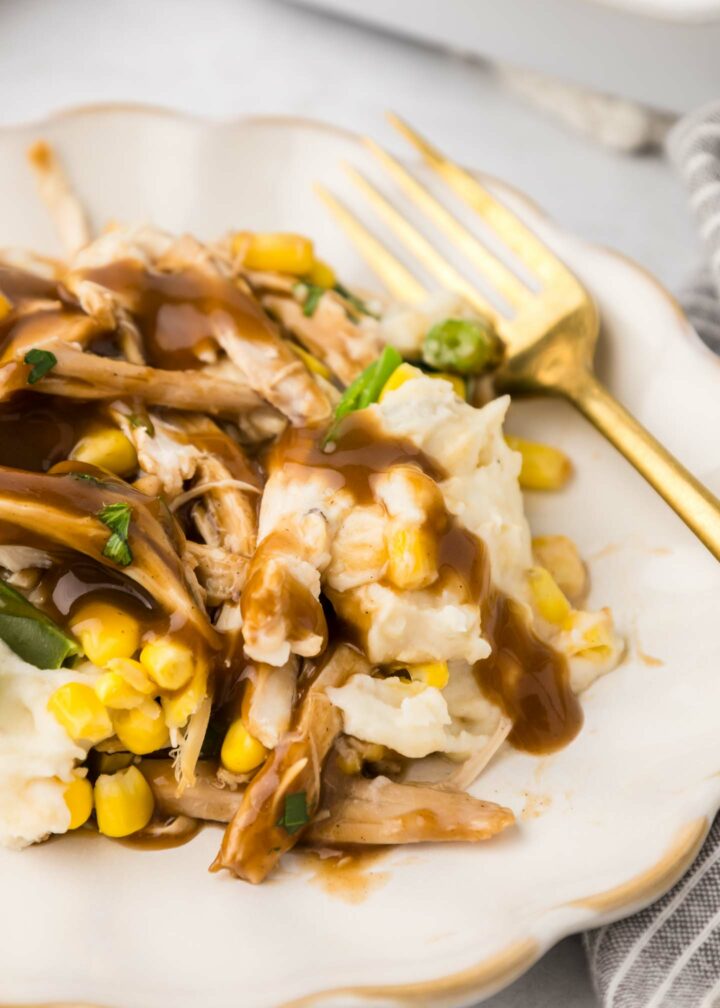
693	502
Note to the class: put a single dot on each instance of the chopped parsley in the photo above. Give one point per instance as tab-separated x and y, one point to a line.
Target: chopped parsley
310	294
117	518
87	478
42	361
295	813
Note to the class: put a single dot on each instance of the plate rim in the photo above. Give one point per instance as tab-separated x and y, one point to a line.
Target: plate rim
494	972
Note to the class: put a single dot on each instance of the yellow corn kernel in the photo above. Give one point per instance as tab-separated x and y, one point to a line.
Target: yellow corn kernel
350	762
134	675
142	729
455	380
560	556
240	752
322	274
6	306
109	449
168	662
549	601
400	375
278	252
79	800
180	705
412	558
106	632
543	467
77	708
352	754
431	673
123	802
598	639
116	692
311	362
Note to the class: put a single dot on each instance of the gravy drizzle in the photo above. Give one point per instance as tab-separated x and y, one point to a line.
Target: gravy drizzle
523	676
177	312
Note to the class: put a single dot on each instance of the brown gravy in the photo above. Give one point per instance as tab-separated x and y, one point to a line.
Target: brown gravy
74	579
524	676
78	571
37	431
19	285
349	875
527	679
361	451
164	834
177	312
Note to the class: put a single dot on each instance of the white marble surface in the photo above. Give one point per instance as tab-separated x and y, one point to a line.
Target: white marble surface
233	57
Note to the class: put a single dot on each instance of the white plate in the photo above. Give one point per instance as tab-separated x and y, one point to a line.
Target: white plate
610	822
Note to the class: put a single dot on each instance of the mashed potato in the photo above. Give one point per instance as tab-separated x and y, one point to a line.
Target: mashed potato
37	757
345	554
411	719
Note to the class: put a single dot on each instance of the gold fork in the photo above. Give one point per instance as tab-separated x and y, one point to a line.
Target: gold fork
549	333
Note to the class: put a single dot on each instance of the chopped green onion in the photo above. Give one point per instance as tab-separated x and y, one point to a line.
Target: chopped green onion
309	293
463	346
366	388
42	361
295	813
384	366
354	300
117	518
31	634
312	298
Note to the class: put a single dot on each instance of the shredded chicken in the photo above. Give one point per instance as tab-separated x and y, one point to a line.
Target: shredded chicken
281	609
346	344
61	509
239	326
468	772
81	375
206	799
56	193
381	811
269	699
254	841
353	810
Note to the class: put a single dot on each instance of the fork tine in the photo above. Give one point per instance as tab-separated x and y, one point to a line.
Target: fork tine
502	278
519	238
390	271
421	248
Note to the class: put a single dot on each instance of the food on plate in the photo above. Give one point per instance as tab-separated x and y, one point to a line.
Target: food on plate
263	554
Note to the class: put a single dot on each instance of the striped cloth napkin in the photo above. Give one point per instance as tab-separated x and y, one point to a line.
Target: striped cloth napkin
668	956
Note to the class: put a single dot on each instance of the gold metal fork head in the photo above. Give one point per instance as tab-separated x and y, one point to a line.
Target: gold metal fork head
549	325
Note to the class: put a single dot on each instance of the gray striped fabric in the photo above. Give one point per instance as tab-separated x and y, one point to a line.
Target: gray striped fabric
694	148
668	956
